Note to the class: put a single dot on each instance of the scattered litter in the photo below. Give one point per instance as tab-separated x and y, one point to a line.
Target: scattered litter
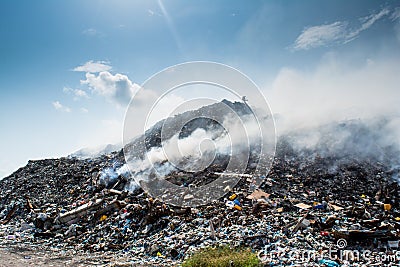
258	194
303	206
306	202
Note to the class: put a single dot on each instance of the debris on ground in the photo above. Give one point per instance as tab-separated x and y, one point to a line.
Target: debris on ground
307	203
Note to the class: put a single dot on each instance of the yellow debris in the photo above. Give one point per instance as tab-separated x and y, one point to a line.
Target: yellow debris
237	207
160	255
232	197
387	206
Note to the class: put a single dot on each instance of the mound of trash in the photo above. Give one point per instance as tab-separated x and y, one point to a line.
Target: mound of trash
311	199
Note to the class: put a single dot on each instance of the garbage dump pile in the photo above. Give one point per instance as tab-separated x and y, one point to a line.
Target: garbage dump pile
308	201
60	203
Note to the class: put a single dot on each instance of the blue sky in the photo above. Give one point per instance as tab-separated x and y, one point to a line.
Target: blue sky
68	67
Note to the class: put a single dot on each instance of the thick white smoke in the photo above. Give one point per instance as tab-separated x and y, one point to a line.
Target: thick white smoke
338	109
341	108
336	90
188	153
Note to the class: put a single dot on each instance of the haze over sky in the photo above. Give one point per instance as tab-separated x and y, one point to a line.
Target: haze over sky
69	68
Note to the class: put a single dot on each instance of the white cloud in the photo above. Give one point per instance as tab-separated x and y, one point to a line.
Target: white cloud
396	14
84	110
78	93
320	35
371	19
94	66
117	88
58	106
368	21
337	32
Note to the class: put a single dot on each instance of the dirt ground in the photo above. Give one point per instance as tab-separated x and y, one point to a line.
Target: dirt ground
14	258
21	257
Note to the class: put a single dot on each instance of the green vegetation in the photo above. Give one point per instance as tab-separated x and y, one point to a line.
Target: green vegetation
222	256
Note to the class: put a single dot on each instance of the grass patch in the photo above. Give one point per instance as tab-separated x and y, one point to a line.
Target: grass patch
222	256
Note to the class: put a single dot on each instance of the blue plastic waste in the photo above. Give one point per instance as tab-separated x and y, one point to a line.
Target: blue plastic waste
320	206
329	263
